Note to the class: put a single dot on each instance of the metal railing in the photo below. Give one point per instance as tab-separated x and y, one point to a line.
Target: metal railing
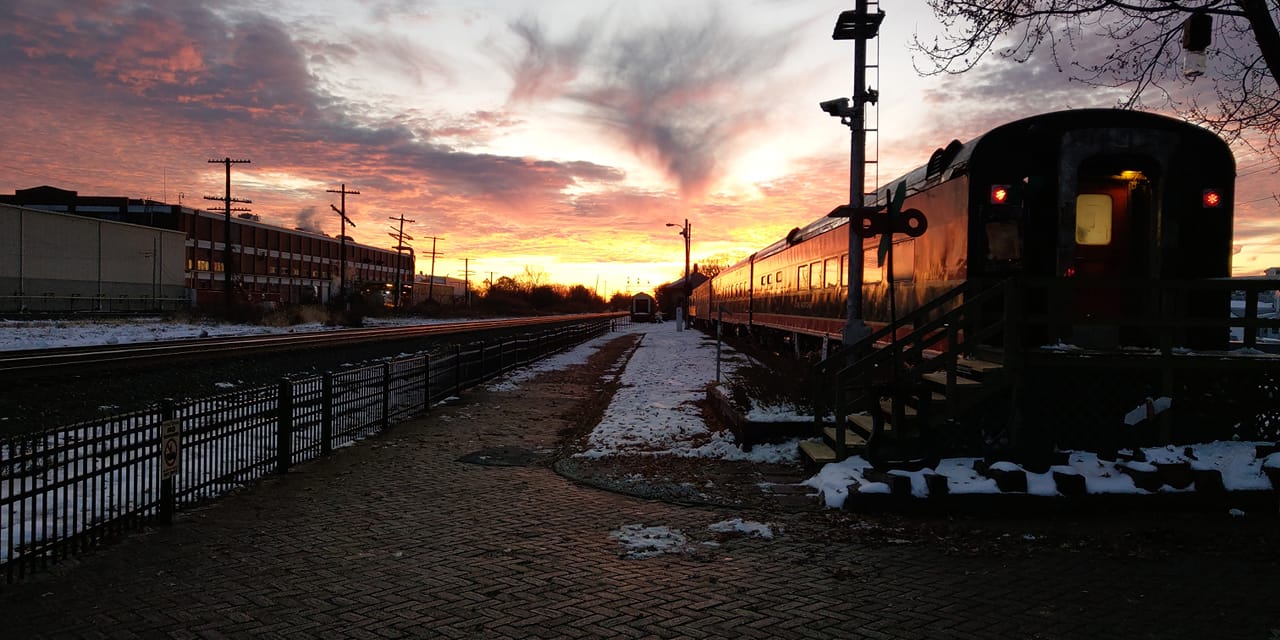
1168	338
65	490
61	304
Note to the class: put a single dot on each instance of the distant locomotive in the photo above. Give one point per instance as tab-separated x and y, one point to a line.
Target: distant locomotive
1092	194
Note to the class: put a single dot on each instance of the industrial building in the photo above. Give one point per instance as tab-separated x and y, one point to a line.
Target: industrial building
268	264
444	290
58	263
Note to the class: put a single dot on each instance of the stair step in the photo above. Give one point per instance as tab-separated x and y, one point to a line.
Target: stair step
852	439
863	425
940	377
979	366
817	453
887	407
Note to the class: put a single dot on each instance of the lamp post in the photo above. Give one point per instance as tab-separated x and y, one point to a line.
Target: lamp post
686	231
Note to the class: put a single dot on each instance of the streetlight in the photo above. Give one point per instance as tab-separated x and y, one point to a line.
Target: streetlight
688	290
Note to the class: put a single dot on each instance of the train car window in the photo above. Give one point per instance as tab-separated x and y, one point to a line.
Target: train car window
844	269
802	276
778	276
1093	219
871	272
831	268
815	275
904	260
1004	244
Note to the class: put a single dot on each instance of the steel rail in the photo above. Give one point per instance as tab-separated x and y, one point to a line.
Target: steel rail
16	363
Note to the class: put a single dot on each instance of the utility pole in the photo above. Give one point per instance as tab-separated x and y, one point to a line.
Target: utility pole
466	279
431	278
400	238
226	240
342	254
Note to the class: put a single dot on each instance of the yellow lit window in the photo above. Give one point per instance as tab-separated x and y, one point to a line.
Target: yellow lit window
1093	219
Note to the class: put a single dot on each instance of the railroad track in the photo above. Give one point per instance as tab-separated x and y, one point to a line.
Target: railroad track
49	361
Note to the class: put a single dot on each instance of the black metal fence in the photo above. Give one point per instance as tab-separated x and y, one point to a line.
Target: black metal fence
64	304
65	490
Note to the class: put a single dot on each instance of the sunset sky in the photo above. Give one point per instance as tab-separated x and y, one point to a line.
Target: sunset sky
558	136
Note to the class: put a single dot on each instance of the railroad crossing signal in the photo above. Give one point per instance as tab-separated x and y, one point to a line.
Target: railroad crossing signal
869	222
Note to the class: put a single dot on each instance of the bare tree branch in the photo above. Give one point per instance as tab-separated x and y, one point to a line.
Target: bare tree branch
1145	56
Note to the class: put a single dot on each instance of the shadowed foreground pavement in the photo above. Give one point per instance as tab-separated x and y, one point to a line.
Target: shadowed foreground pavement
398	538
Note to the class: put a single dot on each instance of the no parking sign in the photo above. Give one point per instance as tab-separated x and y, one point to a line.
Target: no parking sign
170	447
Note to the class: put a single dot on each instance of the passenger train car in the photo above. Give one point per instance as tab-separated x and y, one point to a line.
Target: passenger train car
1087	194
643	308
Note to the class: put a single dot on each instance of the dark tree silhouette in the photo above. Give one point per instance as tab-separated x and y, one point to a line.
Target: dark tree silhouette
1244	56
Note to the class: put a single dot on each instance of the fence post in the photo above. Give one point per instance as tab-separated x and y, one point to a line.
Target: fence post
284	427
386	395
483	374
426	382
457	370
326	415
168	497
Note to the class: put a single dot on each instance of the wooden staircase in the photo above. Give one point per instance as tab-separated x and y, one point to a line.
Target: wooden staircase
904	402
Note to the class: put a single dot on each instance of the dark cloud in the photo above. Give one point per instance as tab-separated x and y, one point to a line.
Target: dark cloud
546	69
679	93
224	81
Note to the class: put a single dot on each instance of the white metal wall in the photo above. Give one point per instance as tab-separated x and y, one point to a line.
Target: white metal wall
61	262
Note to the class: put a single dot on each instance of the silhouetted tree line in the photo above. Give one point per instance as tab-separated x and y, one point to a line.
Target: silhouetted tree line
527	296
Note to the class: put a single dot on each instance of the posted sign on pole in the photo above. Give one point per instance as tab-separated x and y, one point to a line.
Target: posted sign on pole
170	447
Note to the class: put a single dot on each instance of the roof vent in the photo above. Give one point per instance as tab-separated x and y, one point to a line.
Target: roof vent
941	159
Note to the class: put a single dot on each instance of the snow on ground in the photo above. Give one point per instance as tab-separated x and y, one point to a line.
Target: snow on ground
51	334
654	413
644	541
1240	469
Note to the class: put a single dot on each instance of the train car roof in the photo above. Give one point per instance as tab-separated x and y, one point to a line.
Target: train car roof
946	162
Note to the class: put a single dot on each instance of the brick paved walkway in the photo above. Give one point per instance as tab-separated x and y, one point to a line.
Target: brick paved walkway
397	538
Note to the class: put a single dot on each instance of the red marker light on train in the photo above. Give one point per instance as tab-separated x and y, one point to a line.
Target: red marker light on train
1211	199
1070	272
999	193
